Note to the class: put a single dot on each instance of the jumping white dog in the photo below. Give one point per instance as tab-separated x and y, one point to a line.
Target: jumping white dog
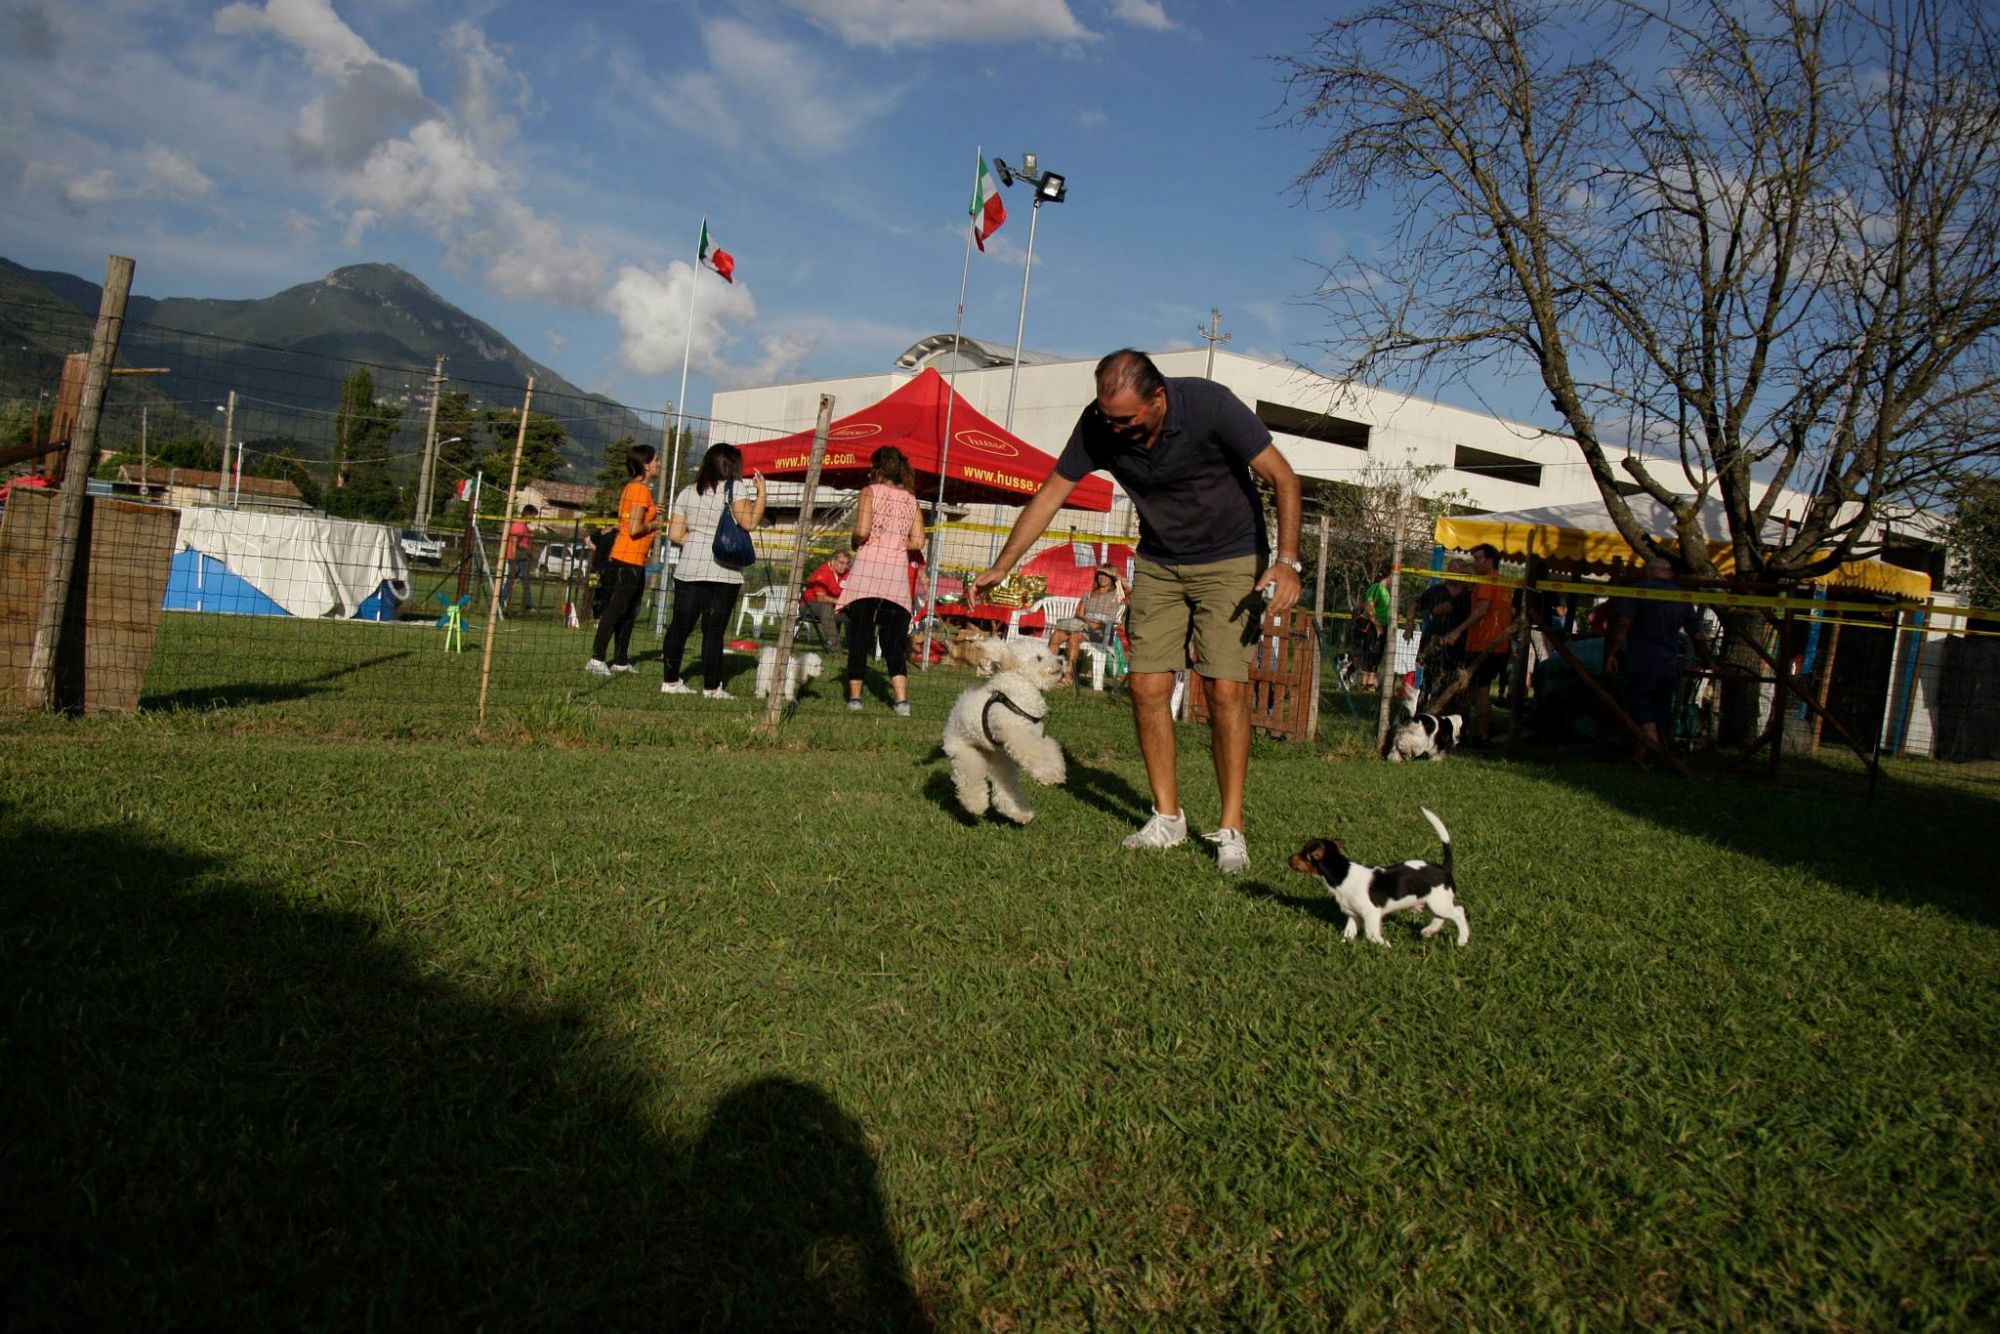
994	730
799	668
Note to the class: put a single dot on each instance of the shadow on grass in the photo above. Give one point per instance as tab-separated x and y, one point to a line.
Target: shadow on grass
226	1109
1920	841
1320	905
261	692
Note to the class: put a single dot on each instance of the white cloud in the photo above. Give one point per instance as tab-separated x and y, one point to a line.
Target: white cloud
761	88
892	23
1090	118
86	190
395	154
172	174
651	308
371	97
1143	14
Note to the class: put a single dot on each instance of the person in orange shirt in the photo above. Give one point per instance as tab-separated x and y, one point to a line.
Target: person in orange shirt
625	571
1487	634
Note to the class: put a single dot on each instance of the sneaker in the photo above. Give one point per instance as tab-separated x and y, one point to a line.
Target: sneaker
1162	831
854	706
1232	853
596	667
902	708
622	668
717	693
674	688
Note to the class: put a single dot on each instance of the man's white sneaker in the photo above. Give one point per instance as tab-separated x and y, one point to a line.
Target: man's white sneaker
1162	831
717	693
674	688
596	667
1232	853
622	668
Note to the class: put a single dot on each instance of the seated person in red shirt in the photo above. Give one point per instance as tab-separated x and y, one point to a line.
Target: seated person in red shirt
822	593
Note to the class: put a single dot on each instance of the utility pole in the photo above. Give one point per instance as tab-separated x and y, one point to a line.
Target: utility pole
422	518
228	437
1213	334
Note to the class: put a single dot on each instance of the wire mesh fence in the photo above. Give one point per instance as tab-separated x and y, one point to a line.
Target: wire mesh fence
318	526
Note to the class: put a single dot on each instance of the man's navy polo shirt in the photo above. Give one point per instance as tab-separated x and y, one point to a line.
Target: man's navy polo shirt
1193	490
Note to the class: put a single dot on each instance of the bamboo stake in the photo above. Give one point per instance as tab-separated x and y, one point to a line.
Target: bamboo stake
788	619
1825	684
59	576
493	614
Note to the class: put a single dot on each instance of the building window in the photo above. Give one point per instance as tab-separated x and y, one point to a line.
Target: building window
1500	467
1313	425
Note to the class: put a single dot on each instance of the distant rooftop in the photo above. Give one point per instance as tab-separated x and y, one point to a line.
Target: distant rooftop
973	354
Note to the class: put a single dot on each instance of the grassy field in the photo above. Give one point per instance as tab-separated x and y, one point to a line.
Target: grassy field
322	1011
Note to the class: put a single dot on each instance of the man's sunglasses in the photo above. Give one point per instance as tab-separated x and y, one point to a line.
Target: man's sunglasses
1120	422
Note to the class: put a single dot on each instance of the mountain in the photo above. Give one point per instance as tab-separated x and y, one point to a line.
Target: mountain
291	351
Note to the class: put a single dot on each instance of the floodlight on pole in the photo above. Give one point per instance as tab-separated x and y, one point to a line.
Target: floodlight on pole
1050	188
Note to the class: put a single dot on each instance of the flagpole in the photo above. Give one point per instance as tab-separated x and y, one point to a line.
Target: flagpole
680	430
944	449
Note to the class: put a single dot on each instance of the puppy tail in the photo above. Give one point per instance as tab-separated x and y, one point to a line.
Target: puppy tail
1444	835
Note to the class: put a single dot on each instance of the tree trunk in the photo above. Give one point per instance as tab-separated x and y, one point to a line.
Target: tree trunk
1739	689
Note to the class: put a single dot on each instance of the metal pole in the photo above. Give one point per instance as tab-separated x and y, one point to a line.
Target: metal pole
1385	667
944	445
668	438
228	442
1021	324
425	483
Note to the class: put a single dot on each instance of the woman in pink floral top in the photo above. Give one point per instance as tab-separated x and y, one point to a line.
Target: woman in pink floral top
887	528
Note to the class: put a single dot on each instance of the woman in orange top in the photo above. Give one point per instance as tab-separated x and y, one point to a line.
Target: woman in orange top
625	571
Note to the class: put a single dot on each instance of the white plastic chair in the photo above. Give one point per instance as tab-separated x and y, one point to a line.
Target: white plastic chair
1052	610
768	602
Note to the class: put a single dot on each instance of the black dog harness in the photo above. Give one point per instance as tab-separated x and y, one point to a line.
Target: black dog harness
986	716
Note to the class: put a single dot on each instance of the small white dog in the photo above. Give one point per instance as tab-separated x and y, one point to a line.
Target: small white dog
994	730
799	668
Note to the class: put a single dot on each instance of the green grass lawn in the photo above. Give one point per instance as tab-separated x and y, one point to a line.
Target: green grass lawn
324	1011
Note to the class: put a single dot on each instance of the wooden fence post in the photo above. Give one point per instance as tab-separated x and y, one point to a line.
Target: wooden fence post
1386	668
60	572
788	618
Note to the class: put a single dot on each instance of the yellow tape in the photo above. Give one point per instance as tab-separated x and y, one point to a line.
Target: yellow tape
1708	597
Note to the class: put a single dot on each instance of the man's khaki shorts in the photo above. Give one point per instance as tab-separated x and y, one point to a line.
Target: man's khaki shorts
1202	615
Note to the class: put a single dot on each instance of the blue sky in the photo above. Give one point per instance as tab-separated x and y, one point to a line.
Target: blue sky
547	167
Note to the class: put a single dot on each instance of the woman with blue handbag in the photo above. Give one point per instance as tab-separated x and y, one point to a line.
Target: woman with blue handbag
711	527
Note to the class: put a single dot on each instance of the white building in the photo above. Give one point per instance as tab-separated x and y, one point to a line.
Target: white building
1326	429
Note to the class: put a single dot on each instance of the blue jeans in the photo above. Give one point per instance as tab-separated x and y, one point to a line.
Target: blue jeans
517	569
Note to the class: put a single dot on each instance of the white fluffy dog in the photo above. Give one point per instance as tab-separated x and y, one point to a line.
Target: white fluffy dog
994	730
799	668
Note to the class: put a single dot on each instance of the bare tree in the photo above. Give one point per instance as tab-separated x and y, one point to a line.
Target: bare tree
1744	247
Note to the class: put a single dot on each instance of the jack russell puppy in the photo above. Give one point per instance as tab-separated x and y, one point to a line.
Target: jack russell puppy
1367	894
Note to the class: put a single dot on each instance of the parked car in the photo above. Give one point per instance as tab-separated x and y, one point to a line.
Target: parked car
559	558
419	545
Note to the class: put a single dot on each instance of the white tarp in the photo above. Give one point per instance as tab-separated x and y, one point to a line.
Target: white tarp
308	564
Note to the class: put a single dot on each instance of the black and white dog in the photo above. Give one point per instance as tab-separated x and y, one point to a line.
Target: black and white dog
1367	894
1428	736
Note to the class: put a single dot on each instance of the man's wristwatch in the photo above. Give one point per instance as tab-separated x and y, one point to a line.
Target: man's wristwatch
1292	563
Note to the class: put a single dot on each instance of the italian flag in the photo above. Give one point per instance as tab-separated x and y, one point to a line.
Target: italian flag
464	489
715	257
988	211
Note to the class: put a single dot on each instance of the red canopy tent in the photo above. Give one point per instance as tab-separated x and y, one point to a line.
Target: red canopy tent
986	464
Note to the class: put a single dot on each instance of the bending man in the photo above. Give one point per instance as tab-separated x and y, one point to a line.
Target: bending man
1184	450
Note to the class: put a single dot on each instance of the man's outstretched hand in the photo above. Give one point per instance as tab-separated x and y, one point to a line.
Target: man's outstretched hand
984	580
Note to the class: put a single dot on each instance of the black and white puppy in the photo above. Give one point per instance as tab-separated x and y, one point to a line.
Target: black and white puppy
1428	736
1367	894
